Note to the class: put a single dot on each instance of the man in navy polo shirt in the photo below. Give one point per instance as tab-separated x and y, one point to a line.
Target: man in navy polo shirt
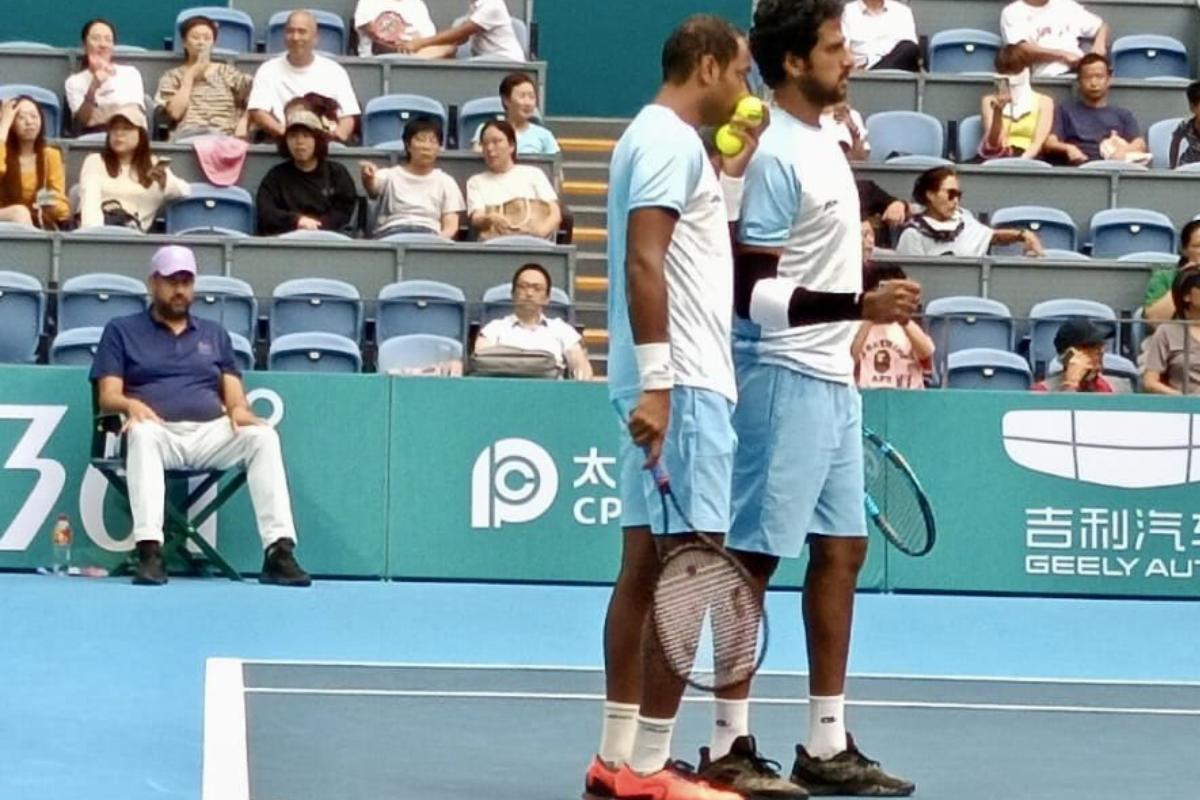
175	379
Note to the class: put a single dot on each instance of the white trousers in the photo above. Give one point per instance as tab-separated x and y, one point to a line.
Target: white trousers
153	447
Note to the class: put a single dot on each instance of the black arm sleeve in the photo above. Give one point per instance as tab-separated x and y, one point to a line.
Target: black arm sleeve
805	308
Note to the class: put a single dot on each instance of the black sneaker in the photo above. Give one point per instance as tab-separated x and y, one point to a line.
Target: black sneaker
744	771
849	773
280	566
151	569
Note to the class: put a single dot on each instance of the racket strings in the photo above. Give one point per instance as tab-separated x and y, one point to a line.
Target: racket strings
893	491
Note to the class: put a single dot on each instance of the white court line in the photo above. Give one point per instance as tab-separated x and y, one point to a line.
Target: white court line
768	701
226	771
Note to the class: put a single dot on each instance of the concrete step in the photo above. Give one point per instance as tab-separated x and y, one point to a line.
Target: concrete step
590	216
587	127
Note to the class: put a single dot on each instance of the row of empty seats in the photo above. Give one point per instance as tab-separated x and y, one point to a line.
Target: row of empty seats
1146	56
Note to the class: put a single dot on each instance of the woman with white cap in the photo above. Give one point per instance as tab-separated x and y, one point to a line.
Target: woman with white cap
124	184
1016	119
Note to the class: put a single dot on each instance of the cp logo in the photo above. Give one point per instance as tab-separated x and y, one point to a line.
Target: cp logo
514	480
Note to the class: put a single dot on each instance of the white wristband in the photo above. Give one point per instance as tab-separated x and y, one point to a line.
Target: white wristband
654	366
769	303
732	188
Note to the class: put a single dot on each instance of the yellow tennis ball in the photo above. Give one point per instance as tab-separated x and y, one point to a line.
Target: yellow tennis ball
729	144
749	111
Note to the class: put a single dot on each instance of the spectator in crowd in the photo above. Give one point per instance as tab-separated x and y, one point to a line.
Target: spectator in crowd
309	191
383	25
1160	302
868	241
894	355
124	185
881	34
1188	132
416	196
101	85
200	96
885	212
32	187
945	228
1173	355
528	327
848	128
1087	128
487	30
174	378
1048	33
1080	344
509	197
518	94
1016	119
298	72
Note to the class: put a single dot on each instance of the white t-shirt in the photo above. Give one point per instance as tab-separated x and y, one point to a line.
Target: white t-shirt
551	336
489	189
800	196
124	87
96	187
660	162
277	82
408	199
1058	25
497	40
414	13
962	236
841	131
872	36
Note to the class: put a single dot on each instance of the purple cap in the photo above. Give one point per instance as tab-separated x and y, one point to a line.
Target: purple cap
171	259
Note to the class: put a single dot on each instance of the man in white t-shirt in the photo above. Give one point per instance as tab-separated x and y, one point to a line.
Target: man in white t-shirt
882	34
528	327
487	28
417	197
383	24
1049	31
296	73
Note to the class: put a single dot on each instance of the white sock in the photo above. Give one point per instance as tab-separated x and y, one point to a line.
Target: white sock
616	737
731	719
826	726
651	745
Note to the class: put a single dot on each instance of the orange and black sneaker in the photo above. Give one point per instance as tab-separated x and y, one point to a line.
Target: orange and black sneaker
600	782
675	781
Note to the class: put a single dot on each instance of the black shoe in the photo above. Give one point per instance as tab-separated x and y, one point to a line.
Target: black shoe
849	773
744	771
280	567
151	570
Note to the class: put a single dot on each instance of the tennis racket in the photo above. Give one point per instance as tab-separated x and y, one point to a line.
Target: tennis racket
698	582
895	501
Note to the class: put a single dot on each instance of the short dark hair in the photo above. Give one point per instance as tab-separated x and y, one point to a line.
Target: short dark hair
1185	236
537	267
1094	58
320	149
697	36
930	181
87	28
1010	59
787	26
192	22
416	126
1186	279
511	81
876	274
1193	93
504	127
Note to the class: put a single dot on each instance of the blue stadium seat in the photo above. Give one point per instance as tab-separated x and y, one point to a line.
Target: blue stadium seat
1046	317
243	350
19	228
76	347
22	311
331	32
228	301
921	162
522	240
894	133
1014	162
314	352
1115	366
962	323
316	304
417	351
1053	226
474	113
415	238
20	44
235	29
984	368
315	236
497	303
46	99
421	306
1116	231
1113	165
1161	258
384	117
1158	139
1138	330
1149	56
963	50
1065	255
126	49
208	206
92	300
970	134
206	231
114	231
1193	167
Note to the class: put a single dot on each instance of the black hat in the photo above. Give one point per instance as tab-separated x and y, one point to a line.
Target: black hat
1080	333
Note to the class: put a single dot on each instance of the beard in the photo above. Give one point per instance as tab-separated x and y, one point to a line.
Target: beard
822	95
172	310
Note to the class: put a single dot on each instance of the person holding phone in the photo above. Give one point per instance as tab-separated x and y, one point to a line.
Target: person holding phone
201	96
32	187
1016	119
1080	344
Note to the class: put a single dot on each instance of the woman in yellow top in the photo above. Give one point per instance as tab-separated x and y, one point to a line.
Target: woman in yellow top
1016	119
32	187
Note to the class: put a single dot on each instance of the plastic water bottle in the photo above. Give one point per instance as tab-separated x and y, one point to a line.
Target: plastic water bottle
60	540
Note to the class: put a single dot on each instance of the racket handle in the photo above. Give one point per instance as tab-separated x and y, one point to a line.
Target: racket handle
661	478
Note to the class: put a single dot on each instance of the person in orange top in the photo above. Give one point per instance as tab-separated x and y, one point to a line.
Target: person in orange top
32	186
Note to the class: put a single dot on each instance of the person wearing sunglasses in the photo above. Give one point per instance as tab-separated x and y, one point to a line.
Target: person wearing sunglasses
944	228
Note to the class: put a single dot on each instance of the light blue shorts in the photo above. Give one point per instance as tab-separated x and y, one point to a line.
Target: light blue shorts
799	464
698	456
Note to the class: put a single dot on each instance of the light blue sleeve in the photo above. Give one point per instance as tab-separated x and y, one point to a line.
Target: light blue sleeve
548	144
664	175
770	202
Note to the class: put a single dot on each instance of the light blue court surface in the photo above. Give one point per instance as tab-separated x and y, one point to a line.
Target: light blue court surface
102	691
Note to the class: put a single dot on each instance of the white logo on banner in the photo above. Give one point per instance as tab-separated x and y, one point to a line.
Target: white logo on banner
1124	449
514	480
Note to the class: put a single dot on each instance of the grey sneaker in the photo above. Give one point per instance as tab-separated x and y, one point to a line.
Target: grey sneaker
744	771
849	773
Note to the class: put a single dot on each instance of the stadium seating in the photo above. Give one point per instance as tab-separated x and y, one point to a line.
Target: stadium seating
963	323
22	311
1149	56
243	350
984	368
970	134
963	50
47	100
92	300
1117	231
1054	227
1115	366
895	133
417	351
314	352
325	305
75	347
1158	139
1048	316
228	301
1151	257
384	117
421	306
224	207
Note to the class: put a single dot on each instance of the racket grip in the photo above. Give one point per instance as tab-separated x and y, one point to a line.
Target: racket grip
661	478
